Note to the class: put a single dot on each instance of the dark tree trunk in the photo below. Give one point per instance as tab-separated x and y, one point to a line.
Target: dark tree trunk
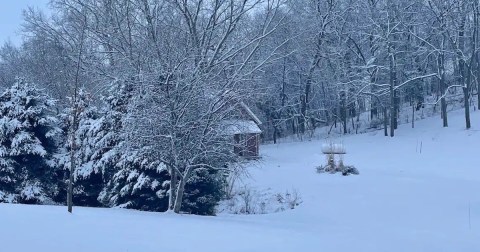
303	114
343	110
477	70
393	107
305	98
274	134
476	37
385	121
396	105
477	74
464	72
413	115
466	91
443	89
466	95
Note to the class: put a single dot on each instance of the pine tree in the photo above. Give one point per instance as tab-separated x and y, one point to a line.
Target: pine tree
28	134
140	183
87	179
97	140
134	179
203	192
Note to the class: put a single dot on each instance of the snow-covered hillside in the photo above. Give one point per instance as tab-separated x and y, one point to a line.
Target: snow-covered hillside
419	191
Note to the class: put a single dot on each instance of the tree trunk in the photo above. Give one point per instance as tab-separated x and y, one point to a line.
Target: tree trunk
75	119
385	121
343	111
70	182
73	150
181	189
179	195
393	83
413	115
275	134
173	184
477	70
392	111
305	98
466	95
477	74
443	89
396	105
466	91
464	70
476	35
303	114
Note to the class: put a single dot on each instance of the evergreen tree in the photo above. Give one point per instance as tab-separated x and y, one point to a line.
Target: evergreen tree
203	192
135	180
27	145
87	177
140	183
98	138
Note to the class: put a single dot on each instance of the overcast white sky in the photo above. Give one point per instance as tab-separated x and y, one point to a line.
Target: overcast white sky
11	17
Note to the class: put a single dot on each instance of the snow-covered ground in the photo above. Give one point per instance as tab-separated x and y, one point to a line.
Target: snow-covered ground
419	191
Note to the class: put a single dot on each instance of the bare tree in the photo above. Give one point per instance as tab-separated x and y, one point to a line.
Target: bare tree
197	84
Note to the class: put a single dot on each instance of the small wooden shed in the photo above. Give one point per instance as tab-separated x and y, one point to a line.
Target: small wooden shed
245	133
246	138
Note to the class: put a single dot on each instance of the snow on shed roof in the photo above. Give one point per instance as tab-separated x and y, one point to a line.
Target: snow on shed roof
234	127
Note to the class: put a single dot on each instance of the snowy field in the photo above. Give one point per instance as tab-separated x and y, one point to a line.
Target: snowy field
404	200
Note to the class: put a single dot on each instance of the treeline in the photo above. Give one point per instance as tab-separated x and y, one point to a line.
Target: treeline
141	87
345	58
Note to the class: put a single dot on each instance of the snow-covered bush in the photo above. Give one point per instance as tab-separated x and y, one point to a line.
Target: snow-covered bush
347	169
28	131
332	168
251	201
376	123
